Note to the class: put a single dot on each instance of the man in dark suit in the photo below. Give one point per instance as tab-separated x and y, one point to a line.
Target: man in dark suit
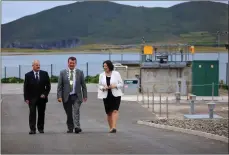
36	90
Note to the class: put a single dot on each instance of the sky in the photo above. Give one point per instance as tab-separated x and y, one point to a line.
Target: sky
12	10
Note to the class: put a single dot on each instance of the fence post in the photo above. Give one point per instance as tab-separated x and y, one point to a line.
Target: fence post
138	96
167	107
5	71
19	71
160	106
87	71
152	102
143	102
51	70
148	96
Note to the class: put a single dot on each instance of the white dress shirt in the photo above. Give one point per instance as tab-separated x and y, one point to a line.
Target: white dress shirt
74	80
38	74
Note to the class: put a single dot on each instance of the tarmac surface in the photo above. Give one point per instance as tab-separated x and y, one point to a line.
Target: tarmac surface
131	138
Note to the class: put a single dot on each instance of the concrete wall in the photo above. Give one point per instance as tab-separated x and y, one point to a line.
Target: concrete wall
129	73
165	80
160	80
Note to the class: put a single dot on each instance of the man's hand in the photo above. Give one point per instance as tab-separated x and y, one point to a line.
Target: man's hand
112	86
27	101
84	99
59	99
42	96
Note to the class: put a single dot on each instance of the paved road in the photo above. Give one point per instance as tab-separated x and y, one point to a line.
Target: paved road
130	138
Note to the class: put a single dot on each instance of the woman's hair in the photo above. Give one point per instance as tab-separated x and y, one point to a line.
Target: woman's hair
109	65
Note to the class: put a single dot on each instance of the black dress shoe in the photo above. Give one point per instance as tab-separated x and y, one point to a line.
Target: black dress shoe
78	130
70	131
32	132
41	131
113	131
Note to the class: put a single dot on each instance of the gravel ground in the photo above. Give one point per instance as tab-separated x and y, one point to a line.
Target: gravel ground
215	126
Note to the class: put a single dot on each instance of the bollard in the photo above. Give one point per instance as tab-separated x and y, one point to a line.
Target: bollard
152	102
192	98
160	105
211	107
148	96
177	94
167	108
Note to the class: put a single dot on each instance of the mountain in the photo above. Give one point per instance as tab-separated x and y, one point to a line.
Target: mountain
111	23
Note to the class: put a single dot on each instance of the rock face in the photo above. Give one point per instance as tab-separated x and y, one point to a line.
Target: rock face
65	43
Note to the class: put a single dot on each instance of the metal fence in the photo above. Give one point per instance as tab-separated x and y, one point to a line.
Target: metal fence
89	69
174	105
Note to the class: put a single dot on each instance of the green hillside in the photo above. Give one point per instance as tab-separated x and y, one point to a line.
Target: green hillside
112	23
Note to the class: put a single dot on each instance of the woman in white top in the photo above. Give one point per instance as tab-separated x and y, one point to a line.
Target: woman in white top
110	84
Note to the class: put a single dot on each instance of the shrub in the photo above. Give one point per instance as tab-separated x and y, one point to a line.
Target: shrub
12	80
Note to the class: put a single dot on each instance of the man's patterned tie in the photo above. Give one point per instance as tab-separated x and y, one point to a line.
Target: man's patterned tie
71	79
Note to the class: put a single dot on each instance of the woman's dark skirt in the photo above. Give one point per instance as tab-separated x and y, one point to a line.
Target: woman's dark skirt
111	103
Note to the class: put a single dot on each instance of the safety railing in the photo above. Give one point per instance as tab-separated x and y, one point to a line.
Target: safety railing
165	104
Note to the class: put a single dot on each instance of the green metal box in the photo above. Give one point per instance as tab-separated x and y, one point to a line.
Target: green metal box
204	74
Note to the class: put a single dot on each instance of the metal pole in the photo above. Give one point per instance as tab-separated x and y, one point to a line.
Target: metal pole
192	111
227	79
212	91
19	67
167	108
122	56
148	96
87	71
211	113
109	55
5	71
218	38
152	102
51	70
142	96
160	105
138	96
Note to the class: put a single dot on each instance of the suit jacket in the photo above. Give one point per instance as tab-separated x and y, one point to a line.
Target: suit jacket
32	89
115	79
63	88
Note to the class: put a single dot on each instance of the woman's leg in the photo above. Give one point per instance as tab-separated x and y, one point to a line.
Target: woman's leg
114	118
107	110
109	119
115	112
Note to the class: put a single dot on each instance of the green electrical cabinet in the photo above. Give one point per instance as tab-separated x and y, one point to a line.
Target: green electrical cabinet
204	73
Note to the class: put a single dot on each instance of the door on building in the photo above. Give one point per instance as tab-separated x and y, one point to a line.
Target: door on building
204	74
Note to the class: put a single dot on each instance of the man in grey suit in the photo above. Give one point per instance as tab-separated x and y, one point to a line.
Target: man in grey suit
72	91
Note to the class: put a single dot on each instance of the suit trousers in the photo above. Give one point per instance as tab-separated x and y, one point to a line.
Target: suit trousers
72	110
35	105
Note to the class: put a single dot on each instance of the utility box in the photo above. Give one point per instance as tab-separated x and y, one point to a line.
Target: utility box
204	74
131	86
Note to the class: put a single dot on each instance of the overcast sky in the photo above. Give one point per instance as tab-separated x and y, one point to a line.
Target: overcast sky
12	10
